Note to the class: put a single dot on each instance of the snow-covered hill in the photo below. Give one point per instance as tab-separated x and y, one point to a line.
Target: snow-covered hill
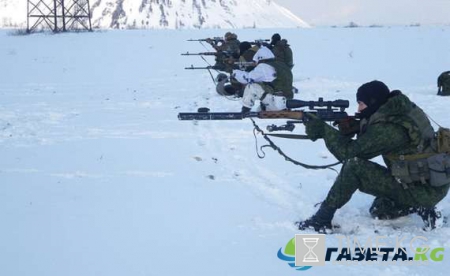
171	14
99	177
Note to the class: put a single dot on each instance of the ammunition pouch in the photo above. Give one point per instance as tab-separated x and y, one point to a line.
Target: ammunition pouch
439	169
433	170
443	140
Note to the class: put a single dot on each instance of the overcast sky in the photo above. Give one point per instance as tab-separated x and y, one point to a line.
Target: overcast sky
368	12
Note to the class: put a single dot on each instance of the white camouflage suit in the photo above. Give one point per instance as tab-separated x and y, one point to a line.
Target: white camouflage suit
261	73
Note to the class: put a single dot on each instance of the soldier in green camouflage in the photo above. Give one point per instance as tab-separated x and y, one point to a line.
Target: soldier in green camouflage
282	50
227	51
247	52
395	128
230	86
269	82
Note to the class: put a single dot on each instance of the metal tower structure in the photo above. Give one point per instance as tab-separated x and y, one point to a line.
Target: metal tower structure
58	15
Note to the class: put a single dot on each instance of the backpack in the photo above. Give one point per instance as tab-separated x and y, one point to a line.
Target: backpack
435	167
443	83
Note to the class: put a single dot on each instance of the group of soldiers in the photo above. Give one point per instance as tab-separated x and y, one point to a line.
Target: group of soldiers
388	124
230	49
259	70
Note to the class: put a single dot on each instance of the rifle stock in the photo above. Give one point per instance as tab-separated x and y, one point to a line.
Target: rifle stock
283	114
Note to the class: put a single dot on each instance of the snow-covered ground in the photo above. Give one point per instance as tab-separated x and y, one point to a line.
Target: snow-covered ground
98	176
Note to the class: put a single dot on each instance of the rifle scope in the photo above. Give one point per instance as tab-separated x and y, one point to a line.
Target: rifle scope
342	104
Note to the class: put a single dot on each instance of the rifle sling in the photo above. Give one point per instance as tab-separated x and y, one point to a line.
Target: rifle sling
287	158
209	71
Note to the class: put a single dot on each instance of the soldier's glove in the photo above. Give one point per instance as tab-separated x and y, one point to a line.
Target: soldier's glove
245	109
314	127
348	126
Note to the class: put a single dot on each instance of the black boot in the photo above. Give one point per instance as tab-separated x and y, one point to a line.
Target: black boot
383	208
431	217
320	222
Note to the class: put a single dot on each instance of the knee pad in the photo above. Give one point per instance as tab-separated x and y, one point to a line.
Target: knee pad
274	103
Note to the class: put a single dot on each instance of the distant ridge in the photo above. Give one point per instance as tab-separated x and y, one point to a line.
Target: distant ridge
171	14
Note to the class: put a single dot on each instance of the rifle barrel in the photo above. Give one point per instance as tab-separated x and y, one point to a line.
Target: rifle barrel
297	115
204	68
195	68
206	39
201	116
200	54
235	65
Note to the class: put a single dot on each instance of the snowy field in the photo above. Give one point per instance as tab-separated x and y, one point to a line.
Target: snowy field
98	176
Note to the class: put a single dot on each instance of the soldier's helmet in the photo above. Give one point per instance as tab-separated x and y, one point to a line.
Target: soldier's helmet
230	36
263	53
275	38
244	46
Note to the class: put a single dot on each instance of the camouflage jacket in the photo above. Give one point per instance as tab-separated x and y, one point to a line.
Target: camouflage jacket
283	53
249	54
389	131
231	47
283	81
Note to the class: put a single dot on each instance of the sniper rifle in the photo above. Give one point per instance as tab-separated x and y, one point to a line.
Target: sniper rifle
325	110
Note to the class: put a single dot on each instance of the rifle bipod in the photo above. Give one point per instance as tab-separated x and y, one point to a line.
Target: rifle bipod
277	149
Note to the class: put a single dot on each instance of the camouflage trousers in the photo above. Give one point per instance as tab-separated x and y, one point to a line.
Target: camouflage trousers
374	179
